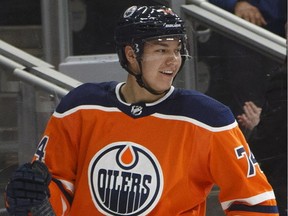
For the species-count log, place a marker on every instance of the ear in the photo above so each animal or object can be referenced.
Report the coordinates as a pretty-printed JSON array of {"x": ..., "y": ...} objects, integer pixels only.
[{"x": 130, "y": 55}]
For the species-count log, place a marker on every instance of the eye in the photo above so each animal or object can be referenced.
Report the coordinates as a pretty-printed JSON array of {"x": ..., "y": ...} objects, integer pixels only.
[
  {"x": 177, "y": 51},
  {"x": 161, "y": 51}
]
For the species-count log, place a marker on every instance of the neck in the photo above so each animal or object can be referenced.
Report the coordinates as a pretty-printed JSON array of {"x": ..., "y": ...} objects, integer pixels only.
[{"x": 133, "y": 93}]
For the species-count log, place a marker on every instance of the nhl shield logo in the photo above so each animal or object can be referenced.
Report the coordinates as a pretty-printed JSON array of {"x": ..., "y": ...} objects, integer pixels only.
[{"x": 125, "y": 179}]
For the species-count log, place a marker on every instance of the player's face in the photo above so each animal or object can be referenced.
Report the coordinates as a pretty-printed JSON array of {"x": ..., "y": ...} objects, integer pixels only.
[{"x": 161, "y": 61}]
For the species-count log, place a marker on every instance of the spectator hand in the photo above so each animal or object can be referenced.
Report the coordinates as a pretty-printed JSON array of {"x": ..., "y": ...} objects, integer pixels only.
[
  {"x": 250, "y": 13},
  {"x": 251, "y": 116}
]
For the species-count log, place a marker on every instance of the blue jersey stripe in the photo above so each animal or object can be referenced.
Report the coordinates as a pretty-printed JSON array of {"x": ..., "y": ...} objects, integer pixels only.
[{"x": 257, "y": 208}]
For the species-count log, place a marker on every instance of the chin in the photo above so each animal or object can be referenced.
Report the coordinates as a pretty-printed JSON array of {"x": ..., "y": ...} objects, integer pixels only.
[{"x": 162, "y": 89}]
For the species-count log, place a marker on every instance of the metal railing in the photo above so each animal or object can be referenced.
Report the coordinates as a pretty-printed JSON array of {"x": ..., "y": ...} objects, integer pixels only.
[
  {"x": 34, "y": 71},
  {"x": 236, "y": 28}
]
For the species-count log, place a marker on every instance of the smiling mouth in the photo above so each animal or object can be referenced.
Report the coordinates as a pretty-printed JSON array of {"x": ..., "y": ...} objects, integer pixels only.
[{"x": 167, "y": 72}]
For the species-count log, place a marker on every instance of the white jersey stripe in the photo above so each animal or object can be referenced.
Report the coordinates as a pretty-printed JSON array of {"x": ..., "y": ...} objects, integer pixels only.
[
  {"x": 198, "y": 123},
  {"x": 250, "y": 200},
  {"x": 157, "y": 115},
  {"x": 85, "y": 107}
]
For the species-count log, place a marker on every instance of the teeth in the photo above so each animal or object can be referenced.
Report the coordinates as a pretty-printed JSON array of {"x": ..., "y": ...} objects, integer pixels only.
[{"x": 167, "y": 72}]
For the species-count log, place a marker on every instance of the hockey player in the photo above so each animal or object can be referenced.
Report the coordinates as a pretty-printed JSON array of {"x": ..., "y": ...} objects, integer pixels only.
[{"x": 142, "y": 147}]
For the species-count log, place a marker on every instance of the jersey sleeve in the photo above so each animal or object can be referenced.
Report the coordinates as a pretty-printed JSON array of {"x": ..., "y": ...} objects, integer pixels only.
[
  {"x": 59, "y": 200},
  {"x": 244, "y": 189},
  {"x": 58, "y": 150}
]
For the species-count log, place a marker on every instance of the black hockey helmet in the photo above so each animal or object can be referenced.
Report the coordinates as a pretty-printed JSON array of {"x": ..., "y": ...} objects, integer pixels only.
[{"x": 141, "y": 23}]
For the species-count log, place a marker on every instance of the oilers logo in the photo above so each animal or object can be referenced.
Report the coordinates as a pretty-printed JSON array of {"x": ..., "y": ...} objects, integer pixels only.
[{"x": 125, "y": 179}]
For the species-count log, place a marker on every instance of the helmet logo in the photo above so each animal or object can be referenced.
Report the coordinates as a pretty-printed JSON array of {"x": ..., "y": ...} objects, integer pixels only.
[
  {"x": 125, "y": 179},
  {"x": 173, "y": 25},
  {"x": 137, "y": 50},
  {"x": 129, "y": 11}
]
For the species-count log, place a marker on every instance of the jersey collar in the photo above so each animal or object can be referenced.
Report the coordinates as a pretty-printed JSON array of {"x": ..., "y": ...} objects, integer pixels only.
[{"x": 117, "y": 92}]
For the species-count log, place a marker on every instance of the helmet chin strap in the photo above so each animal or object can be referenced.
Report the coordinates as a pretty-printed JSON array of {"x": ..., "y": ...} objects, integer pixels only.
[
  {"x": 142, "y": 84},
  {"x": 147, "y": 87}
]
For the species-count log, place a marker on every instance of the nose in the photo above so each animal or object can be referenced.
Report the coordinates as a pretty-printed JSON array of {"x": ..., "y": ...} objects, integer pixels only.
[{"x": 172, "y": 58}]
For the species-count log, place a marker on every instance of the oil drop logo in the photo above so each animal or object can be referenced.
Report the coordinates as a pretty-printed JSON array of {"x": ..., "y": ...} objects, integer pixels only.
[{"x": 125, "y": 178}]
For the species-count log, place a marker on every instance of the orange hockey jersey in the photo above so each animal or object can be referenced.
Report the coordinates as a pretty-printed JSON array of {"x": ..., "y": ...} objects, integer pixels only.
[{"x": 108, "y": 157}]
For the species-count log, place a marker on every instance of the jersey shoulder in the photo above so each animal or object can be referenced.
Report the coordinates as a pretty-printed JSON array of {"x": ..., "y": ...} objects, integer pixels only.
[
  {"x": 87, "y": 94},
  {"x": 198, "y": 106}
]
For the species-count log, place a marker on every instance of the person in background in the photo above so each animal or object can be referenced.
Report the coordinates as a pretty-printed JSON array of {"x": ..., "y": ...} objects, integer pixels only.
[
  {"x": 250, "y": 117},
  {"x": 142, "y": 147},
  {"x": 268, "y": 133},
  {"x": 237, "y": 63},
  {"x": 269, "y": 14}
]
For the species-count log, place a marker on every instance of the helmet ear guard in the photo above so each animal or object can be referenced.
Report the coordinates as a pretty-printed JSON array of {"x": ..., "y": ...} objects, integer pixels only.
[{"x": 137, "y": 48}]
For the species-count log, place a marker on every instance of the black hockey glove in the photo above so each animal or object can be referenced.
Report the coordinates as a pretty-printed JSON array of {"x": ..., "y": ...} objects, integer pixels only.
[{"x": 27, "y": 190}]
